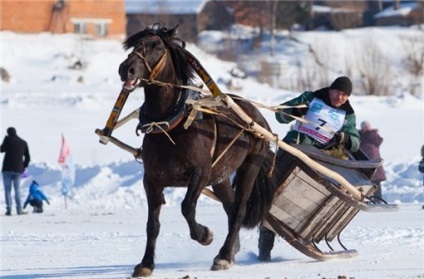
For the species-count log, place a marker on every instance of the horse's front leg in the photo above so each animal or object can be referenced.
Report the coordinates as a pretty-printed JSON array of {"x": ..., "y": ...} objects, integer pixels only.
[
  {"x": 224, "y": 191},
  {"x": 196, "y": 182},
  {"x": 155, "y": 200},
  {"x": 245, "y": 177}
]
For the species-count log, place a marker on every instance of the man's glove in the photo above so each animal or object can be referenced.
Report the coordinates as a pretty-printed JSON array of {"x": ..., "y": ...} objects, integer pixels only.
[
  {"x": 299, "y": 111},
  {"x": 340, "y": 138}
]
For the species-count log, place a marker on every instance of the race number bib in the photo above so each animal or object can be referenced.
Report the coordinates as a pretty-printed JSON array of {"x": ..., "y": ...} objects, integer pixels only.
[{"x": 321, "y": 115}]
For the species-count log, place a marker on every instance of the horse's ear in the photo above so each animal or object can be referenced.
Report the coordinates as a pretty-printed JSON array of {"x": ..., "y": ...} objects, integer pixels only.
[{"x": 173, "y": 31}]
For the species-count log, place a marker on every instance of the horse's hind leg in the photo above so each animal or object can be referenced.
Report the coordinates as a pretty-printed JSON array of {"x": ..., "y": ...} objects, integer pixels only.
[
  {"x": 196, "y": 183},
  {"x": 155, "y": 200},
  {"x": 224, "y": 191}
]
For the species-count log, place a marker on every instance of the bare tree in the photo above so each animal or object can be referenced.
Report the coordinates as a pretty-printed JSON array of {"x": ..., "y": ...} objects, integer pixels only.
[
  {"x": 414, "y": 61},
  {"x": 306, "y": 78},
  {"x": 375, "y": 73}
]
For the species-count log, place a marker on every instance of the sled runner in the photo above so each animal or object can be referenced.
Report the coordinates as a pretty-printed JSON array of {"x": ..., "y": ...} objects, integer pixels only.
[{"x": 309, "y": 207}]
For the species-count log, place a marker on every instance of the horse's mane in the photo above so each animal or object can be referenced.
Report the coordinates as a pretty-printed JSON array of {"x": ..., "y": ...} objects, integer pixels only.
[{"x": 175, "y": 45}]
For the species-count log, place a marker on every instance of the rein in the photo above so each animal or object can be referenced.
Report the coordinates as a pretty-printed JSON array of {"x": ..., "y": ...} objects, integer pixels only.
[{"x": 160, "y": 65}]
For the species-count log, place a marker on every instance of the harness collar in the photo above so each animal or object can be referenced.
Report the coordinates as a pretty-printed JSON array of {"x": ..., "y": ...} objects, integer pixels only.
[{"x": 146, "y": 125}]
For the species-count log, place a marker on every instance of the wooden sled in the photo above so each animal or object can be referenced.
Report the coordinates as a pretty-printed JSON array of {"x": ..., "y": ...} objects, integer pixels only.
[{"x": 309, "y": 207}]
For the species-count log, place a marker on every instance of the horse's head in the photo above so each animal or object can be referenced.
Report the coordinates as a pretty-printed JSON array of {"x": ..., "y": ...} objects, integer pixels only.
[{"x": 155, "y": 56}]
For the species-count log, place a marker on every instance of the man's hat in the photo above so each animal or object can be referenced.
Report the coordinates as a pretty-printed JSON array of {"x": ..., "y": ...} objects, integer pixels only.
[{"x": 343, "y": 84}]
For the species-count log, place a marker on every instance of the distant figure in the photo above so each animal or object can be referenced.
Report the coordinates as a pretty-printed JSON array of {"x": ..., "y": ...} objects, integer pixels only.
[
  {"x": 421, "y": 164},
  {"x": 370, "y": 145},
  {"x": 35, "y": 198},
  {"x": 16, "y": 159},
  {"x": 4, "y": 74}
]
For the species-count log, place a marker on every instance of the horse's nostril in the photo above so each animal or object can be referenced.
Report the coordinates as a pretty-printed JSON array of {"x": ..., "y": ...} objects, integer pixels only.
[{"x": 131, "y": 71}]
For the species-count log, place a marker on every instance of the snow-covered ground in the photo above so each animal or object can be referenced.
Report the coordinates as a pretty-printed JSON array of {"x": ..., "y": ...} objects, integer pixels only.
[
  {"x": 102, "y": 232},
  {"x": 108, "y": 244}
]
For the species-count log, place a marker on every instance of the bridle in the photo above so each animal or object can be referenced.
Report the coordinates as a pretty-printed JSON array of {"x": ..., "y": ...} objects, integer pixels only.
[
  {"x": 158, "y": 68},
  {"x": 179, "y": 112}
]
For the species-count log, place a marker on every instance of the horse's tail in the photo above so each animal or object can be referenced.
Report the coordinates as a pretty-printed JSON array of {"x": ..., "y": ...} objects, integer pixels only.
[{"x": 262, "y": 194}]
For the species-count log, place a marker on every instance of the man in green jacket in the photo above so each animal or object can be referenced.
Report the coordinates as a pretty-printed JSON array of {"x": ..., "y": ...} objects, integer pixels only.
[{"x": 329, "y": 121}]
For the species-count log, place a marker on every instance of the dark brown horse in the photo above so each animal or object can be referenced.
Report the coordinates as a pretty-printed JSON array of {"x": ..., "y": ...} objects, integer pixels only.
[{"x": 179, "y": 157}]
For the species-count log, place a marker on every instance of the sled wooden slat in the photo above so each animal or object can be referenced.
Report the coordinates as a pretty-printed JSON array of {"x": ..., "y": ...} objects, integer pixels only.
[
  {"x": 304, "y": 194},
  {"x": 309, "y": 207},
  {"x": 341, "y": 222},
  {"x": 339, "y": 216},
  {"x": 319, "y": 220}
]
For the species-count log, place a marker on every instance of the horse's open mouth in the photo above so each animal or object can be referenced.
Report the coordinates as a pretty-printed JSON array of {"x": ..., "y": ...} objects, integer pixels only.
[{"x": 131, "y": 84}]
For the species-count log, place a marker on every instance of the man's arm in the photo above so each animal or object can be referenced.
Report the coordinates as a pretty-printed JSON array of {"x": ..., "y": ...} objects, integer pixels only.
[
  {"x": 304, "y": 98},
  {"x": 350, "y": 130},
  {"x": 27, "y": 158},
  {"x": 3, "y": 146}
]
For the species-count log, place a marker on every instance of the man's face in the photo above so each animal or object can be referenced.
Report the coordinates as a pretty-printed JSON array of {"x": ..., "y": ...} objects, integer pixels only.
[{"x": 338, "y": 98}]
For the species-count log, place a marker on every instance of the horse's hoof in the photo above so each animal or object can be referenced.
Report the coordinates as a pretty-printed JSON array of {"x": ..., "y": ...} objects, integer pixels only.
[
  {"x": 209, "y": 238},
  {"x": 142, "y": 271},
  {"x": 219, "y": 264}
]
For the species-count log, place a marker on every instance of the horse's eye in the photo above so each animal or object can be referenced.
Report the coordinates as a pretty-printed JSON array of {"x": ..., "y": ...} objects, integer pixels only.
[{"x": 157, "y": 46}]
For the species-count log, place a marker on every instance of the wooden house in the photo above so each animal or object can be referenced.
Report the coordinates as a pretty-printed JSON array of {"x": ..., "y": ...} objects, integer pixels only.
[
  {"x": 405, "y": 13},
  {"x": 193, "y": 16},
  {"x": 96, "y": 18}
]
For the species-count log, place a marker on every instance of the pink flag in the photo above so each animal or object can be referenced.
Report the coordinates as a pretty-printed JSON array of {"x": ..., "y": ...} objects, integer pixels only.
[
  {"x": 64, "y": 151},
  {"x": 68, "y": 169}
]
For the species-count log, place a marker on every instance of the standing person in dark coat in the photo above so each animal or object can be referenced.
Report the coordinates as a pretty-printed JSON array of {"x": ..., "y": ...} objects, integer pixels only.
[
  {"x": 16, "y": 159},
  {"x": 370, "y": 145}
]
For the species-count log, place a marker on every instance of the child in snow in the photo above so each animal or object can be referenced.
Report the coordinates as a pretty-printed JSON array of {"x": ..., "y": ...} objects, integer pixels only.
[{"x": 35, "y": 198}]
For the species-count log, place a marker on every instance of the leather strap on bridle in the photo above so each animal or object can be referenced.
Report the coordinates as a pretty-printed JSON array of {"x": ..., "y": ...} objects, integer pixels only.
[{"x": 157, "y": 68}]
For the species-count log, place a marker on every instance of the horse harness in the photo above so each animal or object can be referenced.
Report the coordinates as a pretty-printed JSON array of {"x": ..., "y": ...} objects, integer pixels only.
[
  {"x": 187, "y": 107},
  {"x": 165, "y": 125}
]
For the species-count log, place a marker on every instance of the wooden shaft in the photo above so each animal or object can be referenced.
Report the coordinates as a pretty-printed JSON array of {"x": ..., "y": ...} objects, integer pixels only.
[
  {"x": 210, "y": 194},
  {"x": 210, "y": 83},
  {"x": 134, "y": 151},
  {"x": 114, "y": 115}
]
